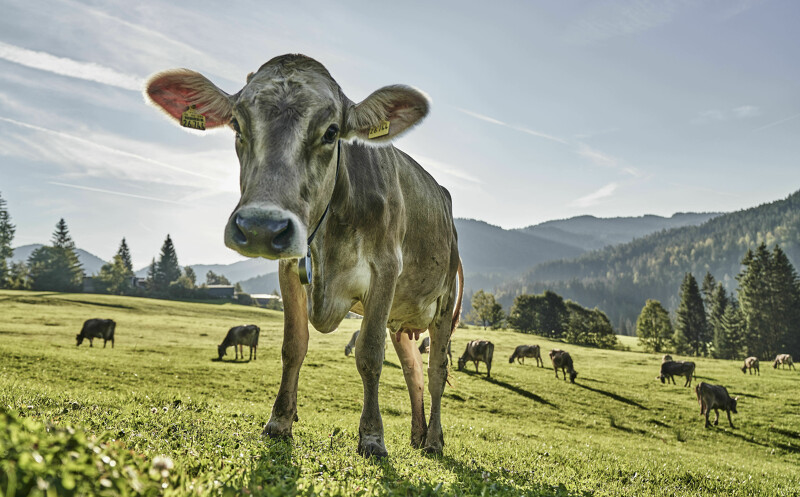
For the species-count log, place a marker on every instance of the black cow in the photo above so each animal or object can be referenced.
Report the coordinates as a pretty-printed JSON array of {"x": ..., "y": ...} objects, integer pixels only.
[
  {"x": 97, "y": 328},
  {"x": 677, "y": 368}
]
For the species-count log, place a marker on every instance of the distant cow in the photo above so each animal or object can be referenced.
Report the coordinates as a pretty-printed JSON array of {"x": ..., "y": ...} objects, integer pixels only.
[
  {"x": 523, "y": 351},
  {"x": 783, "y": 359},
  {"x": 238, "y": 337},
  {"x": 751, "y": 363},
  {"x": 476, "y": 351},
  {"x": 348, "y": 349},
  {"x": 562, "y": 360},
  {"x": 666, "y": 358},
  {"x": 677, "y": 368},
  {"x": 97, "y": 328},
  {"x": 715, "y": 397},
  {"x": 425, "y": 348}
]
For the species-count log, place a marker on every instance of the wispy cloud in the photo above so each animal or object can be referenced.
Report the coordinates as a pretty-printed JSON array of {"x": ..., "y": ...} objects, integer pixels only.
[
  {"x": 746, "y": 111},
  {"x": 596, "y": 196},
  {"x": 521, "y": 129},
  {"x": 63, "y": 66},
  {"x": 602, "y": 159},
  {"x": 776, "y": 123},
  {"x": 439, "y": 168},
  {"x": 605, "y": 20},
  {"x": 121, "y": 194},
  {"x": 717, "y": 115}
]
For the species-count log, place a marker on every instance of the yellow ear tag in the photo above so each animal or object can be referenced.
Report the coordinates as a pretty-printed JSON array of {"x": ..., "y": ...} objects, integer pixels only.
[
  {"x": 193, "y": 119},
  {"x": 379, "y": 130}
]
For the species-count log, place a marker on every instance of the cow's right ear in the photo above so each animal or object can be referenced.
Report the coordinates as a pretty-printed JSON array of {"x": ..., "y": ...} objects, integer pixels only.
[{"x": 177, "y": 90}]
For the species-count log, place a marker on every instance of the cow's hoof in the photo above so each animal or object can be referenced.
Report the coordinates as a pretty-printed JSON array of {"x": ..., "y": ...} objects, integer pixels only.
[
  {"x": 273, "y": 430},
  {"x": 418, "y": 441},
  {"x": 434, "y": 450},
  {"x": 372, "y": 449}
]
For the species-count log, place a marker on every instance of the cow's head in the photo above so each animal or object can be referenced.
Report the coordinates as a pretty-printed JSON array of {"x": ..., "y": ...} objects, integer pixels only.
[
  {"x": 733, "y": 405},
  {"x": 288, "y": 120},
  {"x": 79, "y": 339},
  {"x": 221, "y": 351},
  {"x": 661, "y": 377},
  {"x": 462, "y": 361},
  {"x": 572, "y": 375},
  {"x": 347, "y": 350},
  {"x": 744, "y": 369}
]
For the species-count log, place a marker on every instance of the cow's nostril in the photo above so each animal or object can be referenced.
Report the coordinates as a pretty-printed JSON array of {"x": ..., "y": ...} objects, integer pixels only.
[
  {"x": 283, "y": 234},
  {"x": 239, "y": 229}
]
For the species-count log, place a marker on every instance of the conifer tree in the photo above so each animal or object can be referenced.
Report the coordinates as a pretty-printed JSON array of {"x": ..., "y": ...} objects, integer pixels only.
[
  {"x": 167, "y": 268},
  {"x": 6, "y": 238},
  {"x": 728, "y": 341},
  {"x": 691, "y": 316},
  {"x": 707, "y": 289},
  {"x": 718, "y": 304},
  {"x": 125, "y": 254},
  {"x": 56, "y": 268},
  {"x": 61, "y": 237}
]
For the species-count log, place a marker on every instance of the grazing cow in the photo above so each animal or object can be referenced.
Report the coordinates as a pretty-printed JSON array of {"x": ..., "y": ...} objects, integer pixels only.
[
  {"x": 523, "y": 351},
  {"x": 751, "y": 363},
  {"x": 783, "y": 359},
  {"x": 322, "y": 188},
  {"x": 97, "y": 328},
  {"x": 351, "y": 344},
  {"x": 715, "y": 397},
  {"x": 476, "y": 351},
  {"x": 425, "y": 348},
  {"x": 561, "y": 359},
  {"x": 239, "y": 336},
  {"x": 666, "y": 358},
  {"x": 677, "y": 368}
]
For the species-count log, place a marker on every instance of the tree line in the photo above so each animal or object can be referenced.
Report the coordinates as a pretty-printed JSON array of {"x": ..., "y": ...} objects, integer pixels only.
[
  {"x": 759, "y": 319},
  {"x": 56, "y": 267},
  {"x": 548, "y": 315}
]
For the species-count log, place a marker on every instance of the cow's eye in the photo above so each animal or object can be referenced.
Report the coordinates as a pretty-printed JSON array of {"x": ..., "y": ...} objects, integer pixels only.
[
  {"x": 235, "y": 126},
  {"x": 330, "y": 134}
]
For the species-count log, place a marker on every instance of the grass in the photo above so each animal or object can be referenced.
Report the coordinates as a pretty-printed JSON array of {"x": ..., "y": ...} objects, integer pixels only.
[{"x": 69, "y": 412}]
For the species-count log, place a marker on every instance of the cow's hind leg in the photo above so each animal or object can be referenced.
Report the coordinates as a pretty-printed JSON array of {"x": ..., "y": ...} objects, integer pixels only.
[
  {"x": 411, "y": 360},
  {"x": 437, "y": 369},
  {"x": 293, "y": 351}
]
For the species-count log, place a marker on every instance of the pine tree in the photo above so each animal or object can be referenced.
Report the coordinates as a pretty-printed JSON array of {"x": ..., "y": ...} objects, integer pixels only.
[
  {"x": 691, "y": 316},
  {"x": 56, "y": 268},
  {"x": 167, "y": 268},
  {"x": 785, "y": 302},
  {"x": 125, "y": 254},
  {"x": 6, "y": 238},
  {"x": 707, "y": 289},
  {"x": 653, "y": 327},
  {"x": 718, "y": 303},
  {"x": 151, "y": 275}
]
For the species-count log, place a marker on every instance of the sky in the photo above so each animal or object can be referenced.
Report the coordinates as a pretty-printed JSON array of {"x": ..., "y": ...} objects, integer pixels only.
[{"x": 541, "y": 110}]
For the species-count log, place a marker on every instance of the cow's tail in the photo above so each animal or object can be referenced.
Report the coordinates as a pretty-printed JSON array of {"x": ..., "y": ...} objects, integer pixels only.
[{"x": 457, "y": 310}]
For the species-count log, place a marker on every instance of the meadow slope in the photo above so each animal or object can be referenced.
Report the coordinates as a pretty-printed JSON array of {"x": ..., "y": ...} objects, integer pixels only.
[{"x": 617, "y": 431}]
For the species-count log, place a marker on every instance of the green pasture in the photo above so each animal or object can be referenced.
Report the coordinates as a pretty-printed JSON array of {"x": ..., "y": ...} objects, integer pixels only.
[{"x": 81, "y": 420}]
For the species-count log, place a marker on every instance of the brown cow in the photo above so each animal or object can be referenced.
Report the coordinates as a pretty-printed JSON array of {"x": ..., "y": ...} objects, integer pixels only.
[
  {"x": 562, "y": 360},
  {"x": 783, "y": 359},
  {"x": 476, "y": 351},
  {"x": 321, "y": 185},
  {"x": 238, "y": 337},
  {"x": 751, "y": 363},
  {"x": 715, "y": 397},
  {"x": 523, "y": 351}
]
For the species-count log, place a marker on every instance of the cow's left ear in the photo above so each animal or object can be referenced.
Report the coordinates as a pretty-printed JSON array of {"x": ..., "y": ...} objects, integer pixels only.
[{"x": 385, "y": 114}]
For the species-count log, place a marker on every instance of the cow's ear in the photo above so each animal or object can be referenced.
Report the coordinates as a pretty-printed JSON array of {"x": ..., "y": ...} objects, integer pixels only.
[
  {"x": 177, "y": 90},
  {"x": 385, "y": 114}
]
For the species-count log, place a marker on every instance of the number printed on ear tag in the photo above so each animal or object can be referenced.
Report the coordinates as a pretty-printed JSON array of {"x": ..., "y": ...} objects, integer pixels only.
[
  {"x": 379, "y": 130},
  {"x": 193, "y": 119}
]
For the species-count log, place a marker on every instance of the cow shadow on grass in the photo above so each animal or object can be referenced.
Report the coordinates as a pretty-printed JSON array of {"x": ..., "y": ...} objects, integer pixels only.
[
  {"x": 614, "y": 396},
  {"x": 513, "y": 388},
  {"x": 231, "y": 361},
  {"x": 778, "y": 445}
]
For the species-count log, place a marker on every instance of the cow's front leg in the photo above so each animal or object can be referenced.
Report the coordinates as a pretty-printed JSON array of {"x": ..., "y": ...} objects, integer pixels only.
[
  {"x": 728, "y": 412},
  {"x": 295, "y": 346},
  {"x": 716, "y": 416},
  {"x": 411, "y": 360},
  {"x": 369, "y": 361}
]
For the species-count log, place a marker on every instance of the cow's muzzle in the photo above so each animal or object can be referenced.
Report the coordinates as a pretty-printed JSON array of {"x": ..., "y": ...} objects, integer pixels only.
[{"x": 263, "y": 232}]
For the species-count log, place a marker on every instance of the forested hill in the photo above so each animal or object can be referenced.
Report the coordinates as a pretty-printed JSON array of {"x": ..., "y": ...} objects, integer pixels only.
[{"x": 619, "y": 279}]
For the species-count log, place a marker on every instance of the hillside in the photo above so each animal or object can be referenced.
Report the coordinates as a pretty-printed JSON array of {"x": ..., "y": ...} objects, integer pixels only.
[
  {"x": 592, "y": 233},
  {"x": 616, "y": 431},
  {"x": 90, "y": 262},
  {"x": 621, "y": 278}
]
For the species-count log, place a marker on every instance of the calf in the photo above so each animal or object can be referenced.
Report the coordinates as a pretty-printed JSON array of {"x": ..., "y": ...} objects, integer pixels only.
[
  {"x": 348, "y": 349},
  {"x": 783, "y": 359},
  {"x": 677, "y": 368},
  {"x": 715, "y": 397},
  {"x": 241, "y": 336},
  {"x": 666, "y": 358},
  {"x": 97, "y": 328},
  {"x": 425, "y": 348},
  {"x": 751, "y": 363},
  {"x": 523, "y": 351},
  {"x": 476, "y": 351},
  {"x": 561, "y": 359}
]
